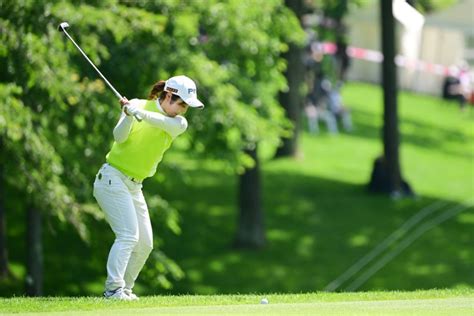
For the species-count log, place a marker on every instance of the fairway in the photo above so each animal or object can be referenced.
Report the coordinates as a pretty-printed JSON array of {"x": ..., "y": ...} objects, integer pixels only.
[
  {"x": 450, "y": 306},
  {"x": 432, "y": 302}
]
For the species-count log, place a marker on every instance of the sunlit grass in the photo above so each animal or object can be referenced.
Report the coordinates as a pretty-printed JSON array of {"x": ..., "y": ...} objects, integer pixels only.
[
  {"x": 319, "y": 217},
  {"x": 403, "y": 303}
]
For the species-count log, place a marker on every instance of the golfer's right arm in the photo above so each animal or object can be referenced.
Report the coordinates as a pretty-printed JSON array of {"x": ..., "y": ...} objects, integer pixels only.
[{"x": 174, "y": 126}]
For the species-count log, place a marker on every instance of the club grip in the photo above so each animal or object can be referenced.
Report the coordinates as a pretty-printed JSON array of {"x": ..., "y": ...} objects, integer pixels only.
[{"x": 138, "y": 118}]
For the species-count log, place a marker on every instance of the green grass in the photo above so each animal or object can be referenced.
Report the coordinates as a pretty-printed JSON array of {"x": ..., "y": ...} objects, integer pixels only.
[
  {"x": 319, "y": 217},
  {"x": 434, "y": 302}
]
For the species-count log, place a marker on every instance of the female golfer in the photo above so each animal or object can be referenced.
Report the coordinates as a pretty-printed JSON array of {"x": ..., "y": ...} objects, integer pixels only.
[{"x": 134, "y": 156}]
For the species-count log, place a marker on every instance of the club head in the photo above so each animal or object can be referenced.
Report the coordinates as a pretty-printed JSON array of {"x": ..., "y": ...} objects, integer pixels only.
[{"x": 63, "y": 26}]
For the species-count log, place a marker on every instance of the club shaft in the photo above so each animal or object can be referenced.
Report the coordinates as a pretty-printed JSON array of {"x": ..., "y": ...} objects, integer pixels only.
[
  {"x": 92, "y": 64},
  {"x": 98, "y": 71}
]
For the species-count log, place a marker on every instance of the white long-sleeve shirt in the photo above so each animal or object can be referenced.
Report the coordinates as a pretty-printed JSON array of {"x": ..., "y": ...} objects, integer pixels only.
[{"x": 174, "y": 126}]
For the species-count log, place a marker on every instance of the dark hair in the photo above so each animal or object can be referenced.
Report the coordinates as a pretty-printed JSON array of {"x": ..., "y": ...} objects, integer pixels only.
[
  {"x": 156, "y": 90},
  {"x": 175, "y": 97}
]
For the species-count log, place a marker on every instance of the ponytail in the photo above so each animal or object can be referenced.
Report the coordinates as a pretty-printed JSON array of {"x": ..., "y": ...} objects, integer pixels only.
[{"x": 156, "y": 90}]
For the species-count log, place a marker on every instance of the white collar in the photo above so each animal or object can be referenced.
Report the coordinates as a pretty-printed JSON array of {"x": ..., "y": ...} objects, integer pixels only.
[{"x": 158, "y": 106}]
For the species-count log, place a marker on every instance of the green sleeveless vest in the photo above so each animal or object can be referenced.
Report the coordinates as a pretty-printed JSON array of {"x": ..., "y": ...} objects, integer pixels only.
[{"x": 140, "y": 154}]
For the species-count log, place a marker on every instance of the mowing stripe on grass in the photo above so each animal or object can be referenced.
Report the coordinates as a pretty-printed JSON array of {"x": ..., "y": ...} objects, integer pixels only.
[
  {"x": 407, "y": 241},
  {"x": 398, "y": 233}
]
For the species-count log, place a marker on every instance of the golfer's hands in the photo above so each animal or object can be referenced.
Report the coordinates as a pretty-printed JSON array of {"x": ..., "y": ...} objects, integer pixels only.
[
  {"x": 130, "y": 109},
  {"x": 127, "y": 107},
  {"x": 123, "y": 101}
]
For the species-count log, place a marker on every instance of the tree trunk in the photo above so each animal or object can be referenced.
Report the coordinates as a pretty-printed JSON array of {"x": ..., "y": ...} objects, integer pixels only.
[
  {"x": 292, "y": 100},
  {"x": 4, "y": 271},
  {"x": 386, "y": 176},
  {"x": 251, "y": 231},
  {"x": 34, "y": 246},
  {"x": 390, "y": 128}
]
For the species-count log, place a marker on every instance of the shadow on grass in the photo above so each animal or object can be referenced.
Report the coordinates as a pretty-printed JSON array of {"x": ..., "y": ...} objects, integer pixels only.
[{"x": 316, "y": 229}]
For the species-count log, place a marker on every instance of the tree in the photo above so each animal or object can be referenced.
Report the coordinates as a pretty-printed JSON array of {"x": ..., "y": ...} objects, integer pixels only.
[
  {"x": 57, "y": 116},
  {"x": 244, "y": 59},
  {"x": 251, "y": 229},
  {"x": 42, "y": 126},
  {"x": 386, "y": 175},
  {"x": 34, "y": 246},
  {"x": 4, "y": 270},
  {"x": 292, "y": 98}
]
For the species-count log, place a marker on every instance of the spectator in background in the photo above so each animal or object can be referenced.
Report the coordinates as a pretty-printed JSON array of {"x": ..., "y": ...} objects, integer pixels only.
[
  {"x": 459, "y": 87},
  {"x": 342, "y": 59},
  {"x": 313, "y": 61},
  {"x": 450, "y": 88},
  {"x": 465, "y": 84},
  {"x": 324, "y": 101},
  {"x": 335, "y": 105},
  {"x": 314, "y": 55},
  {"x": 325, "y": 75},
  {"x": 332, "y": 88}
]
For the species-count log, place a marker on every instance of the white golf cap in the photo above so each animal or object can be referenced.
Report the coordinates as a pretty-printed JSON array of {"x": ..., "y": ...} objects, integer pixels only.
[{"x": 185, "y": 88}]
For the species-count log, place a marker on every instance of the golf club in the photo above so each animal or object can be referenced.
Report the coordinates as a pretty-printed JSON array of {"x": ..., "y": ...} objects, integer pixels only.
[{"x": 62, "y": 28}]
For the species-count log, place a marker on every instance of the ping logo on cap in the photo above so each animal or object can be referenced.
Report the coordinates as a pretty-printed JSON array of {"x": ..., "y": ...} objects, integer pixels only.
[{"x": 191, "y": 91}]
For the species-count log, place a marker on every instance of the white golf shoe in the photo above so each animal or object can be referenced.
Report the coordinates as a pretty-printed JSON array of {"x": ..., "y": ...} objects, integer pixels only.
[
  {"x": 117, "y": 294},
  {"x": 130, "y": 294}
]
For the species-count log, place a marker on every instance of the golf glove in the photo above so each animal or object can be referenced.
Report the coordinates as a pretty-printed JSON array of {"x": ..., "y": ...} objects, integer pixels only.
[{"x": 130, "y": 109}]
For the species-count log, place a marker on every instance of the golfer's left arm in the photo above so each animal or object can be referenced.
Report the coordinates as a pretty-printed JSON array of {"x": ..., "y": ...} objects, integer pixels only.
[{"x": 172, "y": 125}]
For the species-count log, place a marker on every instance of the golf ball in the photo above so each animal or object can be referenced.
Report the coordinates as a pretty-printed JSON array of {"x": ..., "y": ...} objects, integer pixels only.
[{"x": 264, "y": 301}]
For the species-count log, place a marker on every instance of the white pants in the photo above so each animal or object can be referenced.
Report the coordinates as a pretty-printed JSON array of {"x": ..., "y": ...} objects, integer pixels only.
[{"x": 126, "y": 211}]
